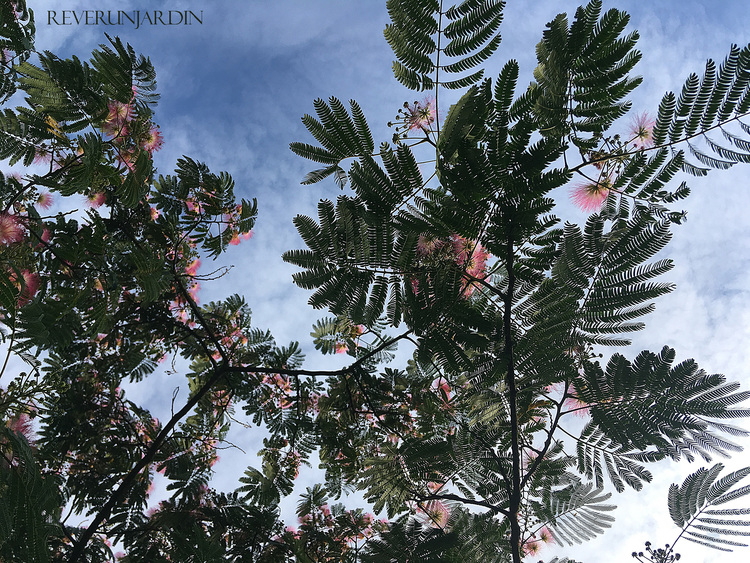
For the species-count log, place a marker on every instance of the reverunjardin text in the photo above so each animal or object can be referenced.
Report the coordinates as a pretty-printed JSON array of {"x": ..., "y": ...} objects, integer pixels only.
[{"x": 136, "y": 18}]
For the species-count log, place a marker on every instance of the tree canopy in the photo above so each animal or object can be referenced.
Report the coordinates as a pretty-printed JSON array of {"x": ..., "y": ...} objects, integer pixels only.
[{"x": 516, "y": 418}]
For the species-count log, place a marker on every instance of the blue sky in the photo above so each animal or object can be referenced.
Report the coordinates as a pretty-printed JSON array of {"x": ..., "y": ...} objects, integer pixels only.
[{"x": 234, "y": 88}]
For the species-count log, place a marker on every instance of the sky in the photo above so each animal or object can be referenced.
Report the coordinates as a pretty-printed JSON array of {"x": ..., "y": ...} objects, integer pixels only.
[{"x": 234, "y": 87}]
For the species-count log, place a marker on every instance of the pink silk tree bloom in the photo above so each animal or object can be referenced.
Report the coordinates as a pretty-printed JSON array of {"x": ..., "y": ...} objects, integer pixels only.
[
  {"x": 434, "y": 487},
  {"x": 437, "y": 513},
  {"x": 574, "y": 404},
  {"x": 442, "y": 388},
  {"x": 115, "y": 130},
  {"x": 415, "y": 285},
  {"x": 545, "y": 536},
  {"x": 642, "y": 131},
  {"x": 31, "y": 282},
  {"x": 22, "y": 425},
  {"x": 11, "y": 229},
  {"x": 427, "y": 246},
  {"x": 341, "y": 347},
  {"x": 96, "y": 199},
  {"x": 119, "y": 113},
  {"x": 591, "y": 196},
  {"x": 193, "y": 291},
  {"x": 531, "y": 548},
  {"x": 421, "y": 114},
  {"x": 192, "y": 269},
  {"x": 193, "y": 206},
  {"x": 471, "y": 256},
  {"x": 153, "y": 140},
  {"x": 43, "y": 156},
  {"x": 44, "y": 200}
]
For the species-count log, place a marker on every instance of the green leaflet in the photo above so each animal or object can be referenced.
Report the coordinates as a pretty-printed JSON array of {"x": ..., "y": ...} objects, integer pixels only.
[
  {"x": 691, "y": 507},
  {"x": 582, "y": 75},
  {"x": 468, "y": 37}
]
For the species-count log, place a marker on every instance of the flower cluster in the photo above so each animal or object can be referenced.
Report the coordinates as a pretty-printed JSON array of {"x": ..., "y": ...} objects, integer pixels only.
[
  {"x": 349, "y": 336},
  {"x": 590, "y": 196},
  {"x": 130, "y": 133},
  {"x": 466, "y": 254},
  {"x": 13, "y": 232},
  {"x": 418, "y": 116},
  {"x": 435, "y": 513},
  {"x": 572, "y": 403},
  {"x": 27, "y": 286},
  {"x": 11, "y": 229},
  {"x": 642, "y": 131},
  {"x": 609, "y": 159},
  {"x": 535, "y": 543},
  {"x": 345, "y": 528},
  {"x": 279, "y": 391}
]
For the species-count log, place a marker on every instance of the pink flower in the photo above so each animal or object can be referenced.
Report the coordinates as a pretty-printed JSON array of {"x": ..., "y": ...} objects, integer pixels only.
[
  {"x": 531, "y": 548},
  {"x": 115, "y": 129},
  {"x": 153, "y": 140},
  {"x": 545, "y": 536},
  {"x": 443, "y": 389},
  {"x": 437, "y": 513},
  {"x": 154, "y": 212},
  {"x": 434, "y": 487},
  {"x": 421, "y": 115},
  {"x": 415, "y": 285},
  {"x": 574, "y": 404},
  {"x": 10, "y": 229},
  {"x": 96, "y": 199},
  {"x": 44, "y": 200},
  {"x": 341, "y": 347},
  {"x": 239, "y": 237},
  {"x": 472, "y": 257},
  {"x": 529, "y": 457},
  {"x": 427, "y": 246},
  {"x": 22, "y": 425},
  {"x": 642, "y": 131},
  {"x": 119, "y": 114},
  {"x": 194, "y": 291},
  {"x": 42, "y": 156},
  {"x": 193, "y": 206},
  {"x": 192, "y": 269},
  {"x": 591, "y": 196},
  {"x": 31, "y": 282}
]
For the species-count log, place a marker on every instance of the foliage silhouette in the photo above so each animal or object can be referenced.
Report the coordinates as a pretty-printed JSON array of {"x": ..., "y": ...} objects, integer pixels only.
[{"x": 508, "y": 312}]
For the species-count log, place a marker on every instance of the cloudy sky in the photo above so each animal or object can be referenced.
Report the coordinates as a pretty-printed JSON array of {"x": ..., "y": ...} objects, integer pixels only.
[{"x": 235, "y": 86}]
